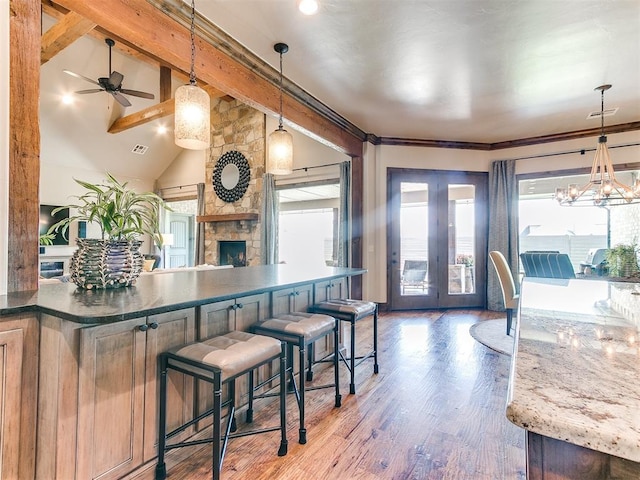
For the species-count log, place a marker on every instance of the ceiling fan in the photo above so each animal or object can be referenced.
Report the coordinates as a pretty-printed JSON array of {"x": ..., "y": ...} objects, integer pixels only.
[{"x": 111, "y": 84}]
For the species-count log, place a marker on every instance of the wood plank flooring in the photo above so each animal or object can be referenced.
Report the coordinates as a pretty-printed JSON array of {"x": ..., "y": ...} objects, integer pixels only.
[{"x": 435, "y": 411}]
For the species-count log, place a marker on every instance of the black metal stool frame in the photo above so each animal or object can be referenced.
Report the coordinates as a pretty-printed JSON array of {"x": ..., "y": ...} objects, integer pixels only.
[
  {"x": 218, "y": 440},
  {"x": 350, "y": 362},
  {"x": 293, "y": 340}
]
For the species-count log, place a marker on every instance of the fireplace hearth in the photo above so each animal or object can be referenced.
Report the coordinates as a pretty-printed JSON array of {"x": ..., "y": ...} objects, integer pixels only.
[{"x": 233, "y": 253}]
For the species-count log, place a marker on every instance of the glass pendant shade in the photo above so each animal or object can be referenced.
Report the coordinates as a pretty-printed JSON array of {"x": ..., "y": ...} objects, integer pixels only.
[
  {"x": 280, "y": 154},
  {"x": 192, "y": 117}
]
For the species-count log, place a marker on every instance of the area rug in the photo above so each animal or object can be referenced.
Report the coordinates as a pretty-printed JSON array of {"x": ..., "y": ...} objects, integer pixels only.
[{"x": 492, "y": 334}]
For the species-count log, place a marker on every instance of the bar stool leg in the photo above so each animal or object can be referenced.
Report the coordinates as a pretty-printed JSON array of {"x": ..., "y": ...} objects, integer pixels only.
[
  {"x": 282, "y": 451},
  {"x": 352, "y": 385},
  {"x": 310, "y": 360},
  {"x": 375, "y": 341},
  {"x": 161, "y": 468},
  {"x": 217, "y": 421},
  {"x": 336, "y": 362},
  {"x": 249, "y": 416},
  {"x": 303, "y": 431}
]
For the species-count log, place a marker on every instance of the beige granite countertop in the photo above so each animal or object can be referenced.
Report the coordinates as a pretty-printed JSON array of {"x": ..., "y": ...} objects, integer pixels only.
[{"x": 575, "y": 373}]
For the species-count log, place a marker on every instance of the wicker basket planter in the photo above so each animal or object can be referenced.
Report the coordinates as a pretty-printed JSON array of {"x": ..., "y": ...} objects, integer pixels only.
[{"x": 106, "y": 263}]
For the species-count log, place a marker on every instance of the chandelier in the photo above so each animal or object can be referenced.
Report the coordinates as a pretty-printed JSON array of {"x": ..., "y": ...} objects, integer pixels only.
[{"x": 603, "y": 186}]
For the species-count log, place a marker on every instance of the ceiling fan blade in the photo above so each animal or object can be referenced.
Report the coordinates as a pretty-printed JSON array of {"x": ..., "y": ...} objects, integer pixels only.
[
  {"x": 91, "y": 90},
  {"x": 115, "y": 79},
  {"x": 137, "y": 93},
  {"x": 77, "y": 75},
  {"x": 121, "y": 99}
]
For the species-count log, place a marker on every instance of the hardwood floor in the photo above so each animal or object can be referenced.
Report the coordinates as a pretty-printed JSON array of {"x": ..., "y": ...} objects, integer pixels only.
[{"x": 435, "y": 411}]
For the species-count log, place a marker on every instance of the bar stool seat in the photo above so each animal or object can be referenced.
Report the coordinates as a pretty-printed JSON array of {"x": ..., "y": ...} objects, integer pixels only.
[
  {"x": 352, "y": 311},
  {"x": 302, "y": 329},
  {"x": 220, "y": 360}
]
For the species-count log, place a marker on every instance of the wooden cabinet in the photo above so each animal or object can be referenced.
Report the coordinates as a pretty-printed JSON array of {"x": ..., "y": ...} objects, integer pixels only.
[
  {"x": 220, "y": 318},
  {"x": 106, "y": 375},
  {"x": 289, "y": 300},
  {"x": 331, "y": 289},
  {"x": 18, "y": 385}
]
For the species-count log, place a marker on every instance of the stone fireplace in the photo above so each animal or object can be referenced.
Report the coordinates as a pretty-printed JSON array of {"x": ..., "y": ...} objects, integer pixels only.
[{"x": 235, "y": 126}]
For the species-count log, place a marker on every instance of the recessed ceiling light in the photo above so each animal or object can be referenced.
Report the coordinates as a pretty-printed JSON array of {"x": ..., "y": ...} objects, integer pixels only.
[
  {"x": 308, "y": 7},
  {"x": 161, "y": 130},
  {"x": 67, "y": 98}
]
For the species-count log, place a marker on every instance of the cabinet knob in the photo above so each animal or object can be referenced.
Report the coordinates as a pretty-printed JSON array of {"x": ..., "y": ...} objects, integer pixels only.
[
  {"x": 297, "y": 293},
  {"x": 240, "y": 305},
  {"x": 144, "y": 327},
  {"x": 153, "y": 325}
]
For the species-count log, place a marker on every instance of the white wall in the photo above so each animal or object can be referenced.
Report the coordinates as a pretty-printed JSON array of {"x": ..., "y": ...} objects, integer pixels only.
[
  {"x": 4, "y": 141},
  {"x": 188, "y": 168},
  {"x": 379, "y": 158},
  {"x": 308, "y": 152}
]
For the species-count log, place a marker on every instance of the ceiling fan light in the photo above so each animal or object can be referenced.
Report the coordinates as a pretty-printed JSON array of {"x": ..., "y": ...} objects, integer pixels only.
[
  {"x": 191, "y": 119},
  {"x": 280, "y": 154}
]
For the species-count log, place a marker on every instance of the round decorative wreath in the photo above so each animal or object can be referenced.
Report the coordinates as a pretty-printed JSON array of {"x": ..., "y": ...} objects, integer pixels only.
[{"x": 244, "y": 175}]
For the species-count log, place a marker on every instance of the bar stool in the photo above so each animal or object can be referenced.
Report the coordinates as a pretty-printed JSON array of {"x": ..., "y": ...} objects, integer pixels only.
[
  {"x": 301, "y": 329},
  {"x": 220, "y": 360},
  {"x": 352, "y": 311}
]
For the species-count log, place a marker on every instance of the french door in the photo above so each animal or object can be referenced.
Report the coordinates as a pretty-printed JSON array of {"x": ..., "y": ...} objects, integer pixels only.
[{"x": 437, "y": 238}]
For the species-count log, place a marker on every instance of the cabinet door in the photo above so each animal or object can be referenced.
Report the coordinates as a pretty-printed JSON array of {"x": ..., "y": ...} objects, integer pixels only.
[
  {"x": 216, "y": 319},
  {"x": 165, "y": 331},
  {"x": 110, "y": 400},
  {"x": 250, "y": 310},
  {"x": 290, "y": 300},
  {"x": 18, "y": 374},
  {"x": 331, "y": 289}
]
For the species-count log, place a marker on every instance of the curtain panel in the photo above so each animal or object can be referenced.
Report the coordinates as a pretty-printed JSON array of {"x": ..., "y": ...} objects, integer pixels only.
[
  {"x": 503, "y": 225},
  {"x": 269, "y": 221},
  {"x": 199, "y": 242},
  {"x": 344, "y": 234}
]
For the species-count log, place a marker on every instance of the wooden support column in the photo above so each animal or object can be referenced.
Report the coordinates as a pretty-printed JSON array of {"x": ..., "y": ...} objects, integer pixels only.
[{"x": 24, "y": 145}]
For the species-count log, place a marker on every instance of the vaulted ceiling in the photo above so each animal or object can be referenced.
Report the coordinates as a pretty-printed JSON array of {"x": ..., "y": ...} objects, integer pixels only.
[{"x": 479, "y": 72}]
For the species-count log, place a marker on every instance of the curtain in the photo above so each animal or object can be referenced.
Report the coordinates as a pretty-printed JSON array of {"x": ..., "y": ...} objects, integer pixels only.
[
  {"x": 199, "y": 247},
  {"x": 344, "y": 211},
  {"x": 503, "y": 225},
  {"x": 269, "y": 220}
]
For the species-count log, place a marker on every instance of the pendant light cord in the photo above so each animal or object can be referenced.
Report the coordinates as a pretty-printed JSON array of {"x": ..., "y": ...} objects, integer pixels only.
[
  {"x": 280, "y": 122},
  {"x": 192, "y": 73}
]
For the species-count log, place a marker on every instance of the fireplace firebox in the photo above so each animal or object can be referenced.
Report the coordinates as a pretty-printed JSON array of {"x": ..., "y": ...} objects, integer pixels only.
[{"x": 233, "y": 253}]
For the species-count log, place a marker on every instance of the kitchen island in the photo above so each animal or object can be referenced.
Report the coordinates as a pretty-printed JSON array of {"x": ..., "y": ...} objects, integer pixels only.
[
  {"x": 83, "y": 364},
  {"x": 574, "y": 383}
]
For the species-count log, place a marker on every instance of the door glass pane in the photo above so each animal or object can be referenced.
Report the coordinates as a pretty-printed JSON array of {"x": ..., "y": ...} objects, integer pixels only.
[
  {"x": 414, "y": 235},
  {"x": 461, "y": 239}
]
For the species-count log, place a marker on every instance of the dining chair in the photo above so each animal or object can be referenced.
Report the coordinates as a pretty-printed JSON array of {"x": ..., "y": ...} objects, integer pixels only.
[
  {"x": 547, "y": 264},
  {"x": 507, "y": 285}
]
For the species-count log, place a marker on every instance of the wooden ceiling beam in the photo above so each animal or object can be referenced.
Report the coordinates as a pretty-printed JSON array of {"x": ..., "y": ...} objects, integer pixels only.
[
  {"x": 141, "y": 117},
  {"x": 59, "y": 13},
  {"x": 150, "y": 30},
  {"x": 70, "y": 28}
]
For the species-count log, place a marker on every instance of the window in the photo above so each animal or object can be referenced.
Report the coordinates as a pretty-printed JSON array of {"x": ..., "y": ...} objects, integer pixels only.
[
  {"x": 308, "y": 224},
  {"x": 545, "y": 225}
]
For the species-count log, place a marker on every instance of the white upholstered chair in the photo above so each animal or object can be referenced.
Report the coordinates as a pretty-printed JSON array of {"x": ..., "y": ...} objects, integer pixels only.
[{"x": 508, "y": 286}]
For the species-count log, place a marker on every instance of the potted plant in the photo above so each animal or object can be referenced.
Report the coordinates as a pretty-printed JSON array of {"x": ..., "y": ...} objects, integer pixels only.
[
  {"x": 123, "y": 215},
  {"x": 622, "y": 260}
]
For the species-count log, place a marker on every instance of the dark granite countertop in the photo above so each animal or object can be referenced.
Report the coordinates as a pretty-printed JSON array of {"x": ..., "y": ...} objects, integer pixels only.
[{"x": 163, "y": 292}]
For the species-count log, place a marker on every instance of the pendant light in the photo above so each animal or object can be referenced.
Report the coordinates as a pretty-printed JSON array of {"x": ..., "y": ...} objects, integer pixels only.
[
  {"x": 280, "y": 154},
  {"x": 605, "y": 188},
  {"x": 192, "y": 106}
]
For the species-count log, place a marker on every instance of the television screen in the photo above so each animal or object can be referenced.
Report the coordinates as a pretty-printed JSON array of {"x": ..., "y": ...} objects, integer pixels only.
[{"x": 47, "y": 219}]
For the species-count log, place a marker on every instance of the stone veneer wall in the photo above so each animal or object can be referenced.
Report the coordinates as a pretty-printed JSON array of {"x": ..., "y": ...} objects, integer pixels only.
[{"x": 235, "y": 126}]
